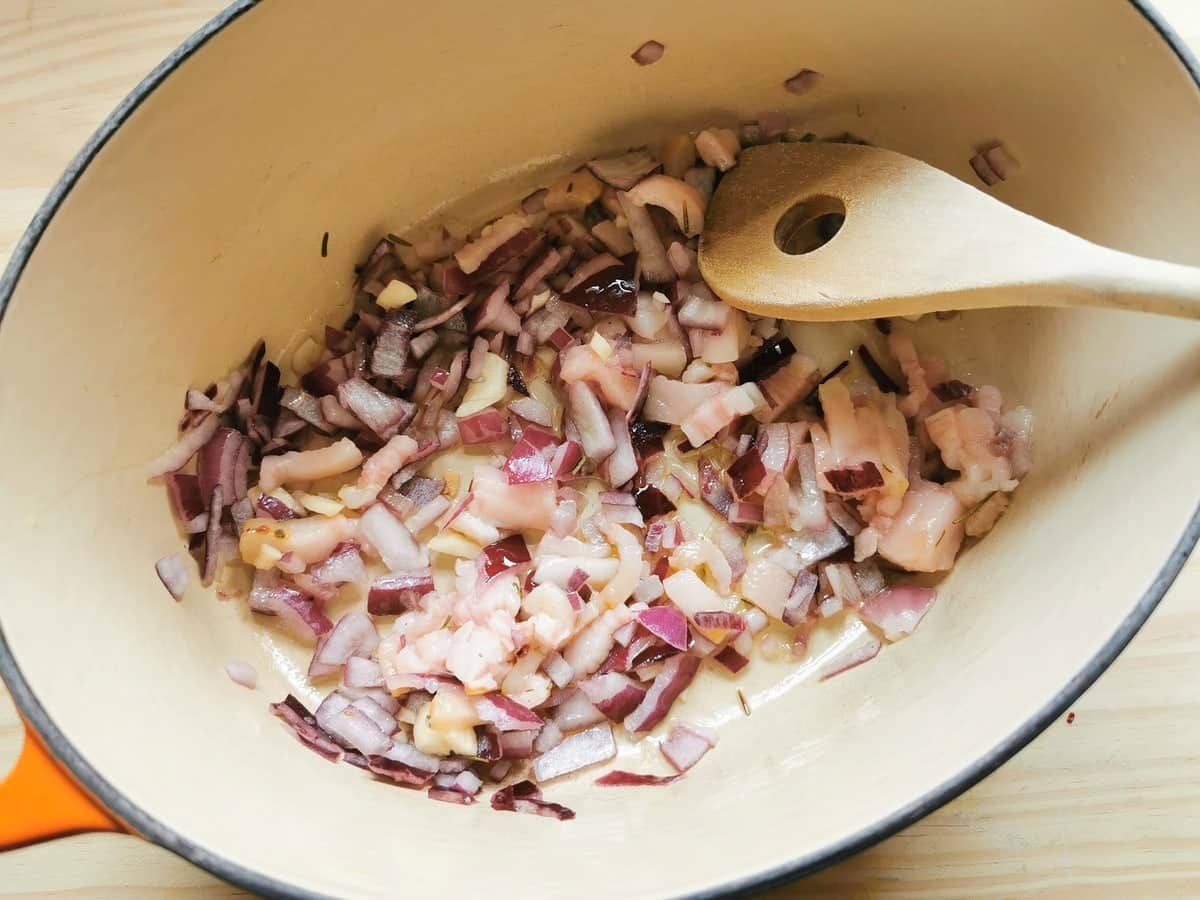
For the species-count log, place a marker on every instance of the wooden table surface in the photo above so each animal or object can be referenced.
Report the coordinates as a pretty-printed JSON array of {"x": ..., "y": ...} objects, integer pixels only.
[{"x": 1106, "y": 806}]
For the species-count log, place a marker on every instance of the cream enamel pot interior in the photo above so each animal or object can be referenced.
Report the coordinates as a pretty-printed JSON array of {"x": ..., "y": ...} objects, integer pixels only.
[{"x": 192, "y": 226}]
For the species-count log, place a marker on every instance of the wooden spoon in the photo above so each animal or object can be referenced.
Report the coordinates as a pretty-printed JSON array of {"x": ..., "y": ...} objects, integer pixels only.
[{"x": 913, "y": 240}]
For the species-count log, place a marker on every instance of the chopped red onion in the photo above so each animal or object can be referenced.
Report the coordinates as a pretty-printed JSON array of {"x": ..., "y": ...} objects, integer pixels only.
[
  {"x": 496, "y": 314},
  {"x": 623, "y": 172},
  {"x": 187, "y": 447},
  {"x": 595, "y": 432},
  {"x": 361, "y": 672},
  {"x": 897, "y": 610},
  {"x": 354, "y": 635},
  {"x": 532, "y": 410},
  {"x": 650, "y": 52},
  {"x": 304, "y": 726},
  {"x": 483, "y": 428},
  {"x": 576, "y": 712},
  {"x": 676, "y": 675},
  {"x": 686, "y": 745},
  {"x": 212, "y": 537},
  {"x": 702, "y": 312},
  {"x": 731, "y": 659},
  {"x": 803, "y": 81},
  {"x": 854, "y": 480},
  {"x": 506, "y": 714},
  {"x": 614, "y": 694},
  {"x": 667, "y": 624},
  {"x": 526, "y": 797},
  {"x": 653, "y": 264},
  {"x": 864, "y": 647},
  {"x": 308, "y": 408},
  {"x": 587, "y": 748},
  {"x": 385, "y": 721},
  {"x": 558, "y": 670},
  {"x": 183, "y": 491},
  {"x": 398, "y": 592},
  {"x": 712, "y": 489},
  {"x": 503, "y": 555},
  {"x": 381, "y": 413},
  {"x": 516, "y": 744},
  {"x": 621, "y": 465},
  {"x": 173, "y": 574},
  {"x": 621, "y": 778},
  {"x": 683, "y": 261},
  {"x": 1001, "y": 161},
  {"x": 392, "y": 541},
  {"x": 548, "y": 738},
  {"x": 719, "y": 620},
  {"x": 351, "y": 726}
]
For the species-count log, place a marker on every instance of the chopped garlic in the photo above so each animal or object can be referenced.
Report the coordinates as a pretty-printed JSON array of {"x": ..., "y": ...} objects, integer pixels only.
[
  {"x": 267, "y": 556},
  {"x": 539, "y": 300},
  {"x": 450, "y": 709},
  {"x": 322, "y": 506},
  {"x": 489, "y": 388},
  {"x": 452, "y": 544},
  {"x": 397, "y": 293},
  {"x": 287, "y": 500},
  {"x": 438, "y": 742},
  {"x": 306, "y": 356},
  {"x": 602, "y": 347}
]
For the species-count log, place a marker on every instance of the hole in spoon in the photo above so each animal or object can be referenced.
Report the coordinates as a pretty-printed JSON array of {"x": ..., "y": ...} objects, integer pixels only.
[{"x": 809, "y": 225}]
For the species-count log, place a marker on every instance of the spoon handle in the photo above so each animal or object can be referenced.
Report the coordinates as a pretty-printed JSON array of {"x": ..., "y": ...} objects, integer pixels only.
[{"x": 1136, "y": 283}]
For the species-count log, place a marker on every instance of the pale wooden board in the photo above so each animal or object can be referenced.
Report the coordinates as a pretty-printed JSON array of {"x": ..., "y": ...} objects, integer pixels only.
[{"x": 1108, "y": 806}]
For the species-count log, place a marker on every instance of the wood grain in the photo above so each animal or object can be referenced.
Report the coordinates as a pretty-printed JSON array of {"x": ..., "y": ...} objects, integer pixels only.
[{"x": 1108, "y": 806}]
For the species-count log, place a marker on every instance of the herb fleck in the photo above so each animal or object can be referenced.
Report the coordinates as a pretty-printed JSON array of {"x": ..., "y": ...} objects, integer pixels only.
[
  {"x": 974, "y": 509},
  {"x": 325, "y": 245},
  {"x": 745, "y": 703}
]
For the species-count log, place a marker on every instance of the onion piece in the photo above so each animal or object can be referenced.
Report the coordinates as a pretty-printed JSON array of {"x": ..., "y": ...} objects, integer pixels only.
[
  {"x": 623, "y": 172},
  {"x": 621, "y": 778},
  {"x": 803, "y": 81},
  {"x": 718, "y": 147},
  {"x": 187, "y": 447},
  {"x": 351, "y": 726},
  {"x": 362, "y": 673},
  {"x": 587, "y": 748},
  {"x": 526, "y": 797},
  {"x": 484, "y": 427},
  {"x": 595, "y": 432},
  {"x": 686, "y": 744},
  {"x": 173, "y": 574},
  {"x": 667, "y": 624},
  {"x": 674, "y": 678},
  {"x": 241, "y": 673},
  {"x": 614, "y": 694},
  {"x": 653, "y": 264},
  {"x": 354, "y": 635},
  {"x": 399, "y": 592},
  {"x": 304, "y": 726},
  {"x": 648, "y": 53},
  {"x": 680, "y": 199},
  {"x": 604, "y": 284},
  {"x": 391, "y": 540},
  {"x": 383, "y": 414},
  {"x": 473, "y": 255},
  {"x": 506, "y": 714},
  {"x": 504, "y": 555},
  {"x": 897, "y": 610}
]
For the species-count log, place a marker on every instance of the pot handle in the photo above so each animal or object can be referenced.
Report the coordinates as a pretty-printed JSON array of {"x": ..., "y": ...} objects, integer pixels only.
[{"x": 39, "y": 800}]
